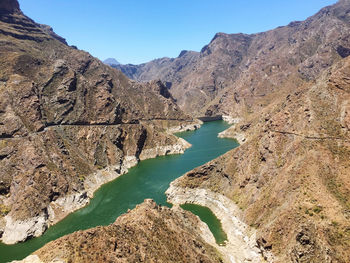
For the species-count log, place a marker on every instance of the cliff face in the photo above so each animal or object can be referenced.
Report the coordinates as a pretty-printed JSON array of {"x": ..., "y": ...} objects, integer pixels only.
[
  {"x": 68, "y": 123},
  {"x": 9, "y": 6},
  {"x": 148, "y": 233},
  {"x": 290, "y": 177},
  {"x": 237, "y": 74}
]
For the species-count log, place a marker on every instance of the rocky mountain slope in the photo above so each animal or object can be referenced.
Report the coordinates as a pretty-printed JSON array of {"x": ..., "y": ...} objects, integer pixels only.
[
  {"x": 148, "y": 233},
  {"x": 290, "y": 177},
  {"x": 236, "y": 74},
  {"x": 286, "y": 189},
  {"x": 68, "y": 123}
]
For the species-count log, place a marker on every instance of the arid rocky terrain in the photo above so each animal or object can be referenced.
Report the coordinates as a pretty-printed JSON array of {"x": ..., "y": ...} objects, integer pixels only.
[
  {"x": 148, "y": 233},
  {"x": 69, "y": 124},
  {"x": 287, "y": 91},
  {"x": 290, "y": 178},
  {"x": 237, "y": 74}
]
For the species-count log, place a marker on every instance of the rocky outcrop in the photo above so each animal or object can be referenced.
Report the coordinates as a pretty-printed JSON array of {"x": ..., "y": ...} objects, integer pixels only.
[
  {"x": 68, "y": 124},
  {"x": 290, "y": 177},
  {"x": 9, "y": 6},
  {"x": 49, "y": 30},
  {"x": 239, "y": 74},
  {"x": 148, "y": 233}
]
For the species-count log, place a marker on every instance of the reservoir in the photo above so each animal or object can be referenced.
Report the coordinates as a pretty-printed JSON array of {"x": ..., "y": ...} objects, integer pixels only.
[
  {"x": 207, "y": 216},
  {"x": 149, "y": 179}
]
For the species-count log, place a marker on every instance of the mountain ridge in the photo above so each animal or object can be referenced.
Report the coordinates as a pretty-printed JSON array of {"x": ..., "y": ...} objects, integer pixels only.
[{"x": 204, "y": 81}]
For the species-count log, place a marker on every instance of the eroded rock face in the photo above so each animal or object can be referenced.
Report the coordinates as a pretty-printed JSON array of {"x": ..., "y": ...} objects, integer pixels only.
[
  {"x": 68, "y": 123},
  {"x": 237, "y": 74},
  {"x": 148, "y": 233},
  {"x": 9, "y": 6},
  {"x": 291, "y": 175}
]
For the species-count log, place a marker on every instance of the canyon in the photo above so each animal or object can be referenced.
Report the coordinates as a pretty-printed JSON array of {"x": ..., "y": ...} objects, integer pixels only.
[
  {"x": 149, "y": 179},
  {"x": 69, "y": 123}
]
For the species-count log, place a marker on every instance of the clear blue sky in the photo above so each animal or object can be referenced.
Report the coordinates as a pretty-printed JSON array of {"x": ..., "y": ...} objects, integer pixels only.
[{"x": 136, "y": 31}]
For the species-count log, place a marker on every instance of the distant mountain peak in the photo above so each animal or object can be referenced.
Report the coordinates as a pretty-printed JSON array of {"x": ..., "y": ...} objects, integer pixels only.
[
  {"x": 183, "y": 52},
  {"x": 111, "y": 61}
]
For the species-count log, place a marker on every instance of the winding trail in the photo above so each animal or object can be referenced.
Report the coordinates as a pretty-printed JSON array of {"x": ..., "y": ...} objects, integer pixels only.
[
  {"x": 313, "y": 137},
  {"x": 52, "y": 126}
]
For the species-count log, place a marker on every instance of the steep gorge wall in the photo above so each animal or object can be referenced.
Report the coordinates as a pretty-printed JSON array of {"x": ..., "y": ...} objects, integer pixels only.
[
  {"x": 290, "y": 177},
  {"x": 68, "y": 123}
]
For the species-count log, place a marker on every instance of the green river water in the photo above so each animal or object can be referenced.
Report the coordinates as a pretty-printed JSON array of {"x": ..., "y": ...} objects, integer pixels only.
[
  {"x": 149, "y": 179},
  {"x": 207, "y": 216}
]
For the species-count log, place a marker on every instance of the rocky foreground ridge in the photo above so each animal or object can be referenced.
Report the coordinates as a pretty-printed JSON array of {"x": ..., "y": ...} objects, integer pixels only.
[
  {"x": 68, "y": 124},
  {"x": 148, "y": 233},
  {"x": 237, "y": 74}
]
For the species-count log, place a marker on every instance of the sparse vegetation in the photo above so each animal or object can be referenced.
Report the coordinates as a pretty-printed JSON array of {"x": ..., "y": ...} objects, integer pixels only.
[
  {"x": 4, "y": 210},
  {"x": 338, "y": 235},
  {"x": 280, "y": 162},
  {"x": 81, "y": 178},
  {"x": 317, "y": 209},
  {"x": 309, "y": 212},
  {"x": 336, "y": 189}
]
